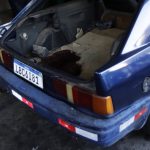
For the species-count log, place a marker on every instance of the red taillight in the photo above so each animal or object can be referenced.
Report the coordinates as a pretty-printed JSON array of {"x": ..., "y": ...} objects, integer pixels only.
[
  {"x": 66, "y": 125},
  {"x": 84, "y": 98},
  {"x": 6, "y": 59},
  {"x": 60, "y": 87}
]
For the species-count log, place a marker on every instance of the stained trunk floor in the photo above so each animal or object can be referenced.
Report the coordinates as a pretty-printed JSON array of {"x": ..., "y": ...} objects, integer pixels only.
[{"x": 93, "y": 50}]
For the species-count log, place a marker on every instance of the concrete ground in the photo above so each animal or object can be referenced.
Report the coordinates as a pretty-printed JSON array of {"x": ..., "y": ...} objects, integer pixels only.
[{"x": 22, "y": 129}]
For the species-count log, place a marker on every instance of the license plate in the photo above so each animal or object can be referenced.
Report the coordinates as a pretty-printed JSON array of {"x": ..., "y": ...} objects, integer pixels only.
[{"x": 28, "y": 73}]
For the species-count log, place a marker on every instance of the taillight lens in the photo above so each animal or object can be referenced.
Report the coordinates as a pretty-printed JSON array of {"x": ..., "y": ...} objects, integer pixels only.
[
  {"x": 1, "y": 57},
  {"x": 103, "y": 105},
  {"x": 60, "y": 87},
  {"x": 84, "y": 98},
  {"x": 6, "y": 59}
]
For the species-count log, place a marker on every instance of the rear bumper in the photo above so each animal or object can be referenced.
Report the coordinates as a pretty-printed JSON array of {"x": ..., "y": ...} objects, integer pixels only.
[{"x": 108, "y": 131}]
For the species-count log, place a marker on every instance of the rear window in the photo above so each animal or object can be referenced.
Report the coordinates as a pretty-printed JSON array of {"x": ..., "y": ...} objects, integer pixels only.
[{"x": 140, "y": 33}]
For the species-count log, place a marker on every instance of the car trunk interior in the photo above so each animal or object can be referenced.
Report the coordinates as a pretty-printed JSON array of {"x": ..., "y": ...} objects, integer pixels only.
[
  {"x": 5, "y": 12},
  {"x": 76, "y": 37}
]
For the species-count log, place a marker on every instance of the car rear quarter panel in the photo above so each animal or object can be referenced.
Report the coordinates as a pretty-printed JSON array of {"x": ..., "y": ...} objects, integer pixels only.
[
  {"x": 123, "y": 78},
  {"x": 124, "y": 81}
]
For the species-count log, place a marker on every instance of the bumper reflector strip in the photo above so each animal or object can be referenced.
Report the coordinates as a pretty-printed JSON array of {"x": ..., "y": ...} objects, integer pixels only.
[
  {"x": 140, "y": 114},
  {"x": 66, "y": 125},
  {"x": 126, "y": 124},
  {"x": 22, "y": 99},
  {"x": 81, "y": 132}
]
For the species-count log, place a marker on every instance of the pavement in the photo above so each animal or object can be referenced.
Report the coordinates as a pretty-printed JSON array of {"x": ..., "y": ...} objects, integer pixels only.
[{"x": 23, "y": 129}]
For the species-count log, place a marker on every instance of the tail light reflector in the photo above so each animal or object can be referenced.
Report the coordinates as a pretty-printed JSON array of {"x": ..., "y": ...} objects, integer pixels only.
[
  {"x": 81, "y": 132},
  {"x": 133, "y": 119},
  {"x": 103, "y": 105},
  {"x": 22, "y": 99},
  {"x": 6, "y": 59},
  {"x": 60, "y": 87},
  {"x": 25, "y": 101},
  {"x": 84, "y": 98},
  {"x": 141, "y": 113},
  {"x": 66, "y": 125}
]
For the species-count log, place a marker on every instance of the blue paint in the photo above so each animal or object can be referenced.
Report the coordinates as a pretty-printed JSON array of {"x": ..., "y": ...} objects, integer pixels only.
[
  {"x": 107, "y": 129},
  {"x": 122, "y": 79}
]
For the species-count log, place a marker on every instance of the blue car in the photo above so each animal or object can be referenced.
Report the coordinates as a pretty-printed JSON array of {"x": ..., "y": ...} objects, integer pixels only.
[{"x": 82, "y": 64}]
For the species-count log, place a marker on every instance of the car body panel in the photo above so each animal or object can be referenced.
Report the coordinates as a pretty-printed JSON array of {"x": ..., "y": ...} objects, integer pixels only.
[
  {"x": 109, "y": 130},
  {"x": 122, "y": 79},
  {"x": 124, "y": 76}
]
